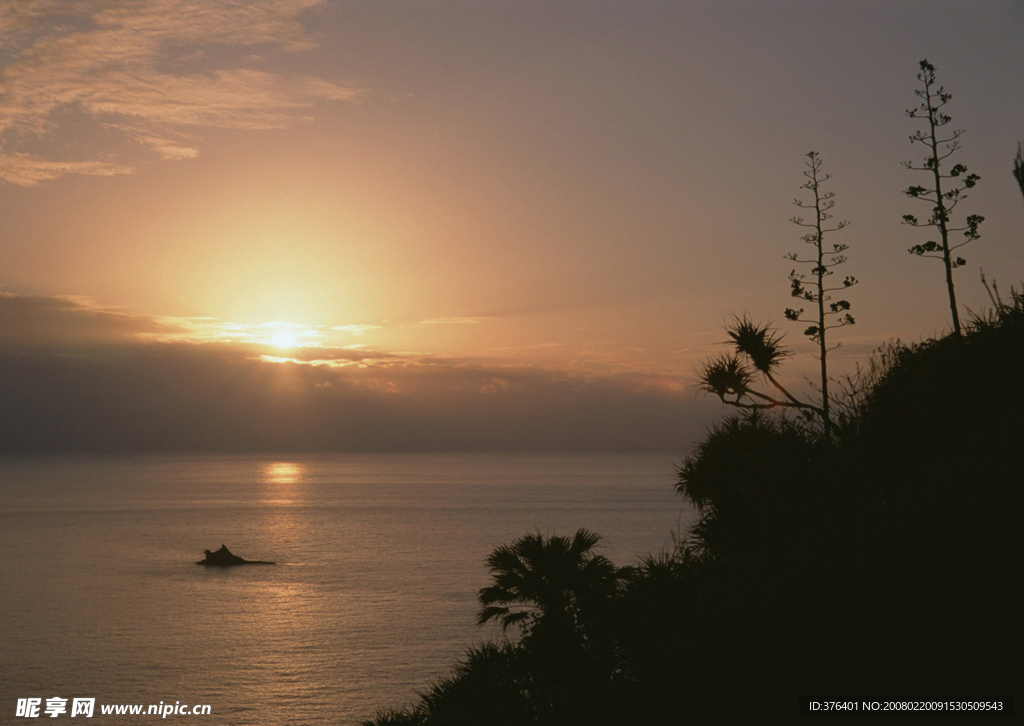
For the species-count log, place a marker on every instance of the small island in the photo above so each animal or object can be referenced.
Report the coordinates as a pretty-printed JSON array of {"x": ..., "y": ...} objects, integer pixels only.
[{"x": 225, "y": 558}]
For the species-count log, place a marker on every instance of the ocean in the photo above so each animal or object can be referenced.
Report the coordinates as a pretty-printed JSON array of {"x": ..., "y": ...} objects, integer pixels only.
[{"x": 379, "y": 560}]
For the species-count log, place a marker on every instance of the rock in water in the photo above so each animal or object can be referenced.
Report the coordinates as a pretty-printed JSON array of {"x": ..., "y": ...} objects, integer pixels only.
[{"x": 225, "y": 558}]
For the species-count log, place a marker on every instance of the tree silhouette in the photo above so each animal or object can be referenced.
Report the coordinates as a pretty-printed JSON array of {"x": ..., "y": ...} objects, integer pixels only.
[
  {"x": 561, "y": 594},
  {"x": 550, "y": 580},
  {"x": 943, "y": 195},
  {"x": 756, "y": 349},
  {"x": 816, "y": 290}
]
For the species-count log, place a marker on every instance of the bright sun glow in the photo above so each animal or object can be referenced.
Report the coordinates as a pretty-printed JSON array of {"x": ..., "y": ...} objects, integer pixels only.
[{"x": 284, "y": 339}]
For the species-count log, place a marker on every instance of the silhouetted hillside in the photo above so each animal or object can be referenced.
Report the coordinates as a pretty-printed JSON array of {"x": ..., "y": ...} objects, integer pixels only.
[{"x": 885, "y": 565}]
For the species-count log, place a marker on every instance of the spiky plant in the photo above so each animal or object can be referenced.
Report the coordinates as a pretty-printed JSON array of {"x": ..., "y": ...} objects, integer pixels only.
[
  {"x": 757, "y": 349},
  {"x": 727, "y": 377},
  {"x": 761, "y": 344}
]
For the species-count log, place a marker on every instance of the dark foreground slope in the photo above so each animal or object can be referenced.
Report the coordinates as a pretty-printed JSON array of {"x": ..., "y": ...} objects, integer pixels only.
[{"x": 886, "y": 565}]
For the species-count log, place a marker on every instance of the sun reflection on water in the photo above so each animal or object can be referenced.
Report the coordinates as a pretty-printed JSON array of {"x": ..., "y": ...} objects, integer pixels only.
[{"x": 283, "y": 472}]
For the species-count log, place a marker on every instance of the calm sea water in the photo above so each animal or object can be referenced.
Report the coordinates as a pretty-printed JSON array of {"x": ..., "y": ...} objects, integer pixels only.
[{"x": 379, "y": 561}]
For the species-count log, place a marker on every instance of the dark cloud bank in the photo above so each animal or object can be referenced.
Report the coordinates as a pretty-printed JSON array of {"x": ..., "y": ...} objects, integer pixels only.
[{"x": 73, "y": 378}]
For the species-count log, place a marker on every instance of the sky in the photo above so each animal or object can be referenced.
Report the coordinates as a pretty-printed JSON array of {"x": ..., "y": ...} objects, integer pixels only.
[{"x": 460, "y": 224}]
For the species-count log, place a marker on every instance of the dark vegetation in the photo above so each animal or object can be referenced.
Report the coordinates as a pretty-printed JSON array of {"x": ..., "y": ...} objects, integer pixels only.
[
  {"x": 886, "y": 564},
  {"x": 869, "y": 553}
]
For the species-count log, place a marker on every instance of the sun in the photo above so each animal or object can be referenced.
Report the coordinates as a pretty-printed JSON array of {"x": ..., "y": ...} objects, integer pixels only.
[{"x": 284, "y": 339}]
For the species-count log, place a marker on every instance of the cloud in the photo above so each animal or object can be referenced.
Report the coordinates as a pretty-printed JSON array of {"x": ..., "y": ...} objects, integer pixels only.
[
  {"x": 355, "y": 329},
  {"x": 495, "y": 385},
  {"x": 78, "y": 377},
  {"x": 27, "y": 170},
  {"x": 66, "y": 323},
  {"x": 456, "y": 320},
  {"x": 147, "y": 70}
]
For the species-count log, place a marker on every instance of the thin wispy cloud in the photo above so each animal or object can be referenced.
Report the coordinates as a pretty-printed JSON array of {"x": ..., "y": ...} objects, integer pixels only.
[
  {"x": 153, "y": 72},
  {"x": 521, "y": 348},
  {"x": 28, "y": 169},
  {"x": 355, "y": 329},
  {"x": 456, "y": 320}
]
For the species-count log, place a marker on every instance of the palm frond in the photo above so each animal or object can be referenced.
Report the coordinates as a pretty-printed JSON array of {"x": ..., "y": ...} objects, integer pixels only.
[
  {"x": 725, "y": 375},
  {"x": 760, "y": 343}
]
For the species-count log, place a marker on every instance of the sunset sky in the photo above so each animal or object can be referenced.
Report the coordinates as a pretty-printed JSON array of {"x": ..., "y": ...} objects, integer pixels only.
[{"x": 479, "y": 224}]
